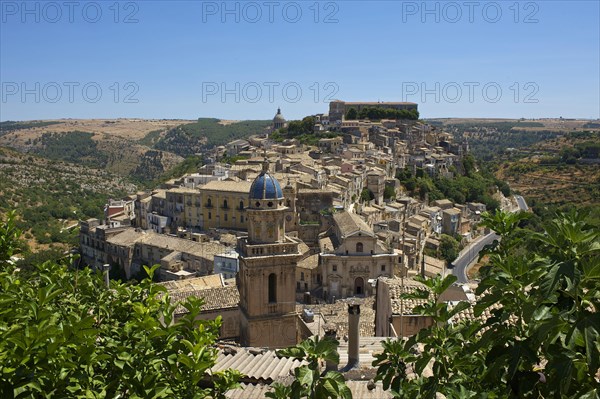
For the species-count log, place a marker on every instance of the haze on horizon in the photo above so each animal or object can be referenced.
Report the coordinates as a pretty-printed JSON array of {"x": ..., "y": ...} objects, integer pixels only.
[{"x": 242, "y": 60}]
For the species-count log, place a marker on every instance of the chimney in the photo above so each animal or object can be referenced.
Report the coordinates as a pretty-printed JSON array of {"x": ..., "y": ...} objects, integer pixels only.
[
  {"x": 353, "y": 335},
  {"x": 331, "y": 333}
]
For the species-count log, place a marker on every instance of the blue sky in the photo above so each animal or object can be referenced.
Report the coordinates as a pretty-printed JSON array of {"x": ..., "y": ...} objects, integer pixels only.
[{"x": 241, "y": 60}]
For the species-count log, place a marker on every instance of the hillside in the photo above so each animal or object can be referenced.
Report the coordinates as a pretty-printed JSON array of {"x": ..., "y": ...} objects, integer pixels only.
[
  {"x": 140, "y": 150},
  {"x": 553, "y": 163},
  {"x": 193, "y": 138},
  {"x": 50, "y": 195},
  {"x": 57, "y": 172},
  {"x": 556, "y": 172},
  {"x": 101, "y": 144},
  {"x": 489, "y": 137}
]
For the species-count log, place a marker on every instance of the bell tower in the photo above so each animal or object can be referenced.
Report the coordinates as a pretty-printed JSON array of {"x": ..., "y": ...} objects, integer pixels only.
[
  {"x": 291, "y": 216},
  {"x": 267, "y": 276}
]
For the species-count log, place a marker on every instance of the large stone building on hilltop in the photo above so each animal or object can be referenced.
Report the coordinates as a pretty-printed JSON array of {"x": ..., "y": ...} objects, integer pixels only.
[{"x": 338, "y": 109}]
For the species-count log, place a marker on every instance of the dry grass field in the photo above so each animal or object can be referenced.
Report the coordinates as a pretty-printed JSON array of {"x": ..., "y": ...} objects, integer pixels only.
[{"x": 127, "y": 129}]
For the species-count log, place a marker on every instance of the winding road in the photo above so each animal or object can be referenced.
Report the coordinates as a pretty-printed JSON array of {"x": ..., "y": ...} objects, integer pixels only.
[
  {"x": 469, "y": 254},
  {"x": 521, "y": 202}
]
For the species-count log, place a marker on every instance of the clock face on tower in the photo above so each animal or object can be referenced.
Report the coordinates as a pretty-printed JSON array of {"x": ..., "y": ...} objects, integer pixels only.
[{"x": 288, "y": 218}]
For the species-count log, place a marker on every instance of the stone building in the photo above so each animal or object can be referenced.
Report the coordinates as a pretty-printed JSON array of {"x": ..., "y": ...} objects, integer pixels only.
[
  {"x": 338, "y": 109},
  {"x": 267, "y": 276},
  {"x": 352, "y": 256}
]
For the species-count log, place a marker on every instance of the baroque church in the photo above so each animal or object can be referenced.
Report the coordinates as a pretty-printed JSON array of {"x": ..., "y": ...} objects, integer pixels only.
[{"x": 267, "y": 274}]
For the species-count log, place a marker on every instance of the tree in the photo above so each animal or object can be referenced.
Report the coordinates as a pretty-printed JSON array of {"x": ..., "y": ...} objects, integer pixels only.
[
  {"x": 366, "y": 195},
  {"x": 352, "y": 114},
  {"x": 541, "y": 337},
  {"x": 448, "y": 248},
  {"x": 389, "y": 193},
  {"x": 9, "y": 239},
  {"x": 309, "y": 381},
  {"x": 64, "y": 335}
]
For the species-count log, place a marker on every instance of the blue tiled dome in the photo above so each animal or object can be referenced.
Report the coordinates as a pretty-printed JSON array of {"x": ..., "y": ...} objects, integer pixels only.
[{"x": 265, "y": 187}]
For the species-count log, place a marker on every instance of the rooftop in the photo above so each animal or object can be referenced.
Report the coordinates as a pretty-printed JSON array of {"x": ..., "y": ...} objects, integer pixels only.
[
  {"x": 398, "y": 287},
  {"x": 256, "y": 365},
  {"x": 242, "y": 187},
  {"x": 215, "y": 298},
  {"x": 264, "y": 187},
  {"x": 191, "y": 284},
  {"x": 350, "y": 223}
]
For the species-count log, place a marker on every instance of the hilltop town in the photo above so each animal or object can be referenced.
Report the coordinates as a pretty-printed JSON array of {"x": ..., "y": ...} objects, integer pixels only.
[{"x": 282, "y": 239}]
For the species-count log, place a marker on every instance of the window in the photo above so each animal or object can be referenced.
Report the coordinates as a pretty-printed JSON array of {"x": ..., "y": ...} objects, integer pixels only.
[
  {"x": 272, "y": 288},
  {"x": 242, "y": 219},
  {"x": 298, "y": 286},
  {"x": 359, "y": 247},
  {"x": 301, "y": 276},
  {"x": 241, "y": 205},
  {"x": 382, "y": 268},
  {"x": 209, "y": 203},
  {"x": 225, "y": 204},
  {"x": 209, "y": 215},
  {"x": 225, "y": 217},
  {"x": 334, "y": 267}
]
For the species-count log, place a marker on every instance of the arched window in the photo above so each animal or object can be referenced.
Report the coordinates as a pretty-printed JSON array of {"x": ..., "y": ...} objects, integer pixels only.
[
  {"x": 272, "y": 288},
  {"x": 359, "y": 247},
  {"x": 209, "y": 202},
  {"x": 225, "y": 204},
  {"x": 241, "y": 204}
]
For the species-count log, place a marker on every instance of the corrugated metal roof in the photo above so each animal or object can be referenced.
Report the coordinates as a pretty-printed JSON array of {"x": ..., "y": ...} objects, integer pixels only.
[{"x": 256, "y": 365}]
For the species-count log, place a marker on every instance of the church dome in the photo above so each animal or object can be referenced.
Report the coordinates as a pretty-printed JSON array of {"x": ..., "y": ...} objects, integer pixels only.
[
  {"x": 278, "y": 117},
  {"x": 265, "y": 187}
]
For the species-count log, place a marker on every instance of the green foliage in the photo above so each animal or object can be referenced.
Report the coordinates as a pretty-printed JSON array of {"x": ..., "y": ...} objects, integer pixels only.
[
  {"x": 389, "y": 193},
  {"x": 76, "y": 147},
  {"x": 64, "y": 335},
  {"x": 309, "y": 381},
  {"x": 193, "y": 138},
  {"x": 151, "y": 138},
  {"x": 298, "y": 128},
  {"x": 55, "y": 196},
  {"x": 377, "y": 113},
  {"x": 11, "y": 126},
  {"x": 303, "y": 131},
  {"x": 449, "y": 248},
  {"x": 474, "y": 186},
  {"x": 233, "y": 159},
  {"x": 190, "y": 165},
  {"x": 541, "y": 335},
  {"x": 277, "y": 136},
  {"x": 352, "y": 114},
  {"x": 9, "y": 238},
  {"x": 488, "y": 140},
  {"x": 587, "y": 150},
  {"x": 366, "y": 195}
]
